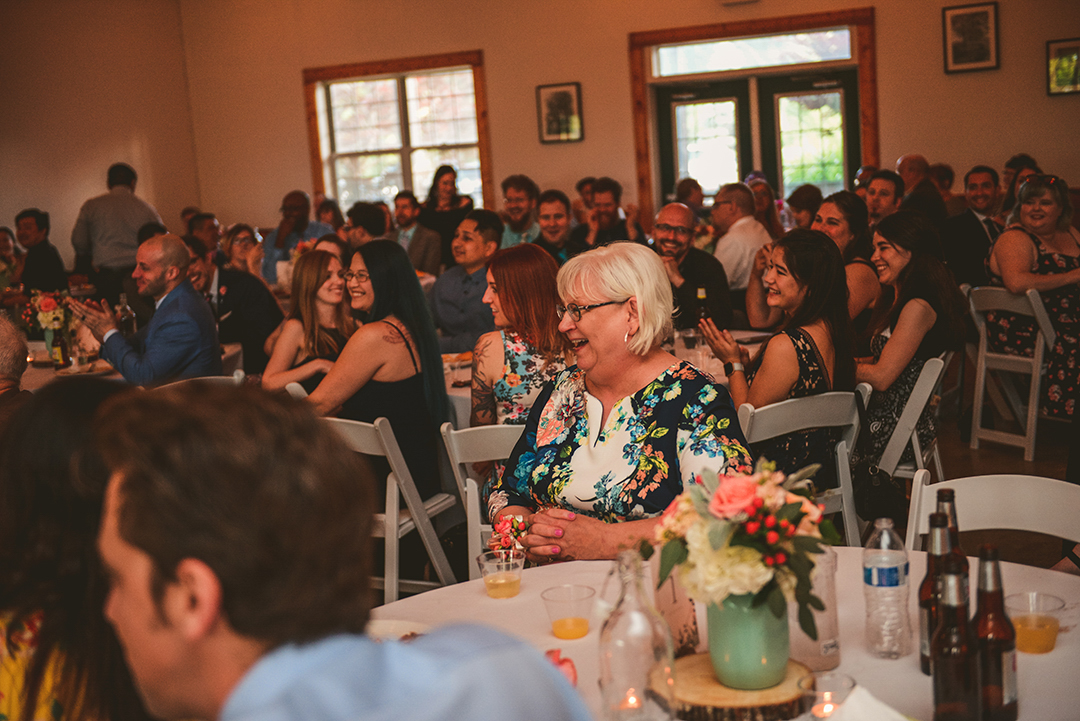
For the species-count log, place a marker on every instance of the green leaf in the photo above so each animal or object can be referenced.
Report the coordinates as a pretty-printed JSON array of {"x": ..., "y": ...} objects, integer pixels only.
[
  {"x": 806, "y": 621},
  {"x": 816, "y": 602},
  {"x": 764, "y": 466},
  {"x": 645, "y": 548},
  {"x": 710, "y": 482},
  {"x": 701, "y": 502},
  {"x": 672, "y": 554},
  {"x": 719, "y": 533},
  {"x": 806, "y": 544},
  {"x": 828, "y": 532},
  {"x": 777, "y": 602},
  {"x": 802, "y": 475},
  {"x": 790, "y": 512}
]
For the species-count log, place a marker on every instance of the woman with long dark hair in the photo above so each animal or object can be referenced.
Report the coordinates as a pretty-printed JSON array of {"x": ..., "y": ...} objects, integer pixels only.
[
  {"x": 512, "y": 364},
  {"x": 444, "y": 209},
  {"x": 812, "y": 353},
  {"x": 318, "y": 326},
  {"x": 59, "y": 658},
  {"x": 919, "y": 316},
  {"x": 391, "y": 365}
]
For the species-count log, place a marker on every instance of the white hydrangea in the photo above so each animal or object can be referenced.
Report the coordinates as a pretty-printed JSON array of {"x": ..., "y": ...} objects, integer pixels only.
[{"x": 711, "y": 576}]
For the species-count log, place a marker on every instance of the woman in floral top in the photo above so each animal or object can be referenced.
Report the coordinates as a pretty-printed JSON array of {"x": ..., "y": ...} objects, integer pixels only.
[
  {"x": 610, "y": 443},
  {"x": 511, "y": 365}
]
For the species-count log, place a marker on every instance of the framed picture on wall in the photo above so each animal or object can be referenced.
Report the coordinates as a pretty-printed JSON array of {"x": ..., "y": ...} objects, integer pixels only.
[
  {"x": 1063, "y": 66},
  {"x": 558, "y": 113},
  {"x": 970, "y": 36}
]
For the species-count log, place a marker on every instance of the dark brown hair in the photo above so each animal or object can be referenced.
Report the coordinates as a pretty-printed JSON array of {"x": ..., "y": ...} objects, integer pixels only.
[
  {"x": 52, "y": 488},
  {"x": 259, "y": 489}
]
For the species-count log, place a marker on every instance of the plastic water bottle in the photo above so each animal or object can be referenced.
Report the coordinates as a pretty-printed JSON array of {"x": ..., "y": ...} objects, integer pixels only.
[{"x": 885, "y": 584}]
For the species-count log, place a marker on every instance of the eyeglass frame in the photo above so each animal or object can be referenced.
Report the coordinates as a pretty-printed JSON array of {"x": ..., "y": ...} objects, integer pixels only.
[
  {"x": 676, "y": 229},
  {"x": 361, "y": 276},
  {"x": 576, "y": 311}
]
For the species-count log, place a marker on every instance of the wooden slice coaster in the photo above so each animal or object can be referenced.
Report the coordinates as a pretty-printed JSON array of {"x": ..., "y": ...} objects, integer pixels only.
[{"x": 700, "y": 697}]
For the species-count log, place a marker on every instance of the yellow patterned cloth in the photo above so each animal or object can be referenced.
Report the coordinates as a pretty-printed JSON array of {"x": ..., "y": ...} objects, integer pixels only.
[{"x": 17, "y": 646}]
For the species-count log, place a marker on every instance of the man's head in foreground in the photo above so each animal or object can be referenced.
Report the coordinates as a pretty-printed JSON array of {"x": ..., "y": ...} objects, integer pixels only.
[{"x": 235, "y": 522}]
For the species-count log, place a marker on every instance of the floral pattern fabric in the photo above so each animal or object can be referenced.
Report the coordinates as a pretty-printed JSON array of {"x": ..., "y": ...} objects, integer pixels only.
[
  {"x": 1015, "y": 335},
  {"x": 17, "y": 645},
  {"x": 524, "y": 373},
  {"x": 631, "y": 465},
  {"x": 795, "y": 451}
]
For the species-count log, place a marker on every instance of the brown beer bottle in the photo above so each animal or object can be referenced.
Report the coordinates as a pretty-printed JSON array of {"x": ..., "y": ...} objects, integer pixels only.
[
  {"x": 954, "y": 657},
  {"x": 996, "y": 643},
  {"x": 702, "y": 306},
  {"x": 930, "y": 589},
  {"x": 946, "y": 503}
]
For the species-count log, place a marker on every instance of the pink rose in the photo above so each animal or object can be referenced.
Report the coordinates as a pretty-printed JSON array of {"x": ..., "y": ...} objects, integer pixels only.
[
  {"x": 735, "y": 495},
  {"x": 47, "y": 304}
]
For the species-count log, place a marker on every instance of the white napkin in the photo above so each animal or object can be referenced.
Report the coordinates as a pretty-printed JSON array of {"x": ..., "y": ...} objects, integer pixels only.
[{"x": 861, "y": 705}]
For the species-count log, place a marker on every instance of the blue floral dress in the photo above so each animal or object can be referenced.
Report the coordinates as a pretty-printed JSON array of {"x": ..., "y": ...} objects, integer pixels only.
[
  {"x": 525, "y": 371},
  {"x": 634, "y": 465}
]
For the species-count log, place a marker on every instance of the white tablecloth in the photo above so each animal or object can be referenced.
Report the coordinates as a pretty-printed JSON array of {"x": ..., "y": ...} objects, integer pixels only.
[{"x": 1048, "y": 690}]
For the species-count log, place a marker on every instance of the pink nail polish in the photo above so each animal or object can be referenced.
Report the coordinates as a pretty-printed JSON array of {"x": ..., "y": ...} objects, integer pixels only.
[
  {"x": 558, "y": 533},
  {"x": 573, "y": 516},
  {"x": 554, "y": 550}
]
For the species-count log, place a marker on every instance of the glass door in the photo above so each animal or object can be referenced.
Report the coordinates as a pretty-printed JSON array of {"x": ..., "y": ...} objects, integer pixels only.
[
  {"x": 704, "y": 133},
  {"x": 809, "y": 130}
]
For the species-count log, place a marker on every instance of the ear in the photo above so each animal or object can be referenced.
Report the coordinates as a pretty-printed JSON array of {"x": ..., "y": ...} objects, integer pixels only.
[
  {"x": 172, "y": 272},
  {"x": 633, "y": 318},
  {"x": 192, "y": 603}
]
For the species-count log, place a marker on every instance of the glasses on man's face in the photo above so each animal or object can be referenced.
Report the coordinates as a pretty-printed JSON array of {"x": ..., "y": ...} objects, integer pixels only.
[
  {"x": 576, "y": 311},
  {"x": 360, "y": 276},
  {"x": 676, "y": 229}
]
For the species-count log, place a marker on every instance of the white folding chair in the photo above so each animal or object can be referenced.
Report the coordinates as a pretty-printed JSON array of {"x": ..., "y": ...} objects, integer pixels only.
[
  {"x": 1022, "y": 503},
  {"x": 377, "y": 439},
  {"x": 905, "y": 430},
  {"x": 982, "y": 300},
  {"x": 295, "y": 390},
  {"x": 477, "y": 445},
  {"x": 236, "y": 379},
  {"x": 827, "y": 410}
]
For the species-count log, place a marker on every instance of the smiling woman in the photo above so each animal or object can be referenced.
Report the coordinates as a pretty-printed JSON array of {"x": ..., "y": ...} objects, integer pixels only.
[{"x": 612, "y": 441}]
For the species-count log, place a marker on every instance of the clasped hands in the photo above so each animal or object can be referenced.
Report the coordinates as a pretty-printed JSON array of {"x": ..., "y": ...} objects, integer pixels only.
[
  {"x": 556, "y": 534},
  {"x": 100, "y": 319}
]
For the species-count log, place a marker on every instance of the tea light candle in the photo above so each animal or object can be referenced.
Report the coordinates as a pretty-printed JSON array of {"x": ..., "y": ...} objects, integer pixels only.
[
  {"x": 825, "y": 708},
  {"x": 631, "y": 701}
]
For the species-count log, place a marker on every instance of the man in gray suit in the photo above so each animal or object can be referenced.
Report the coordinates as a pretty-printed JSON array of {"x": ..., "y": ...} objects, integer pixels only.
[{"x": 423, "y": 244}]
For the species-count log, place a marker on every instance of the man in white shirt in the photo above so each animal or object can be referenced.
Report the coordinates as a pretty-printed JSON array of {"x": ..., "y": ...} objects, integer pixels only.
[{"x": 741, "y": 236}]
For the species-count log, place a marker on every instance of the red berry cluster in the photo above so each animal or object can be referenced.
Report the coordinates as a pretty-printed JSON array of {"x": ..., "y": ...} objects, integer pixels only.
[{"x": 763, "y": 524}]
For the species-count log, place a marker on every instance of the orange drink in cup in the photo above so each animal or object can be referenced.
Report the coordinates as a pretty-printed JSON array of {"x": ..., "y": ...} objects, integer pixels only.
[
  {"x": 569, "y": 608},
  {"x": 1035, "y": 617},
  {"x": 502, "y": 572}
]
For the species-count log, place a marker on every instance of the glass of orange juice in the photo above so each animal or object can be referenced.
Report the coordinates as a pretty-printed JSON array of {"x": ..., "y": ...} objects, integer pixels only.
[
  {"x": 569, "y": 608},
  {"x": 501, "y": 570},
  {"x": 1035, "y": 617}
]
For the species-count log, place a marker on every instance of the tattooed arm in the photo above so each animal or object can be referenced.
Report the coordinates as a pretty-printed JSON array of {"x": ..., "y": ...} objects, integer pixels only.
[{"x": 486, "y": 368}]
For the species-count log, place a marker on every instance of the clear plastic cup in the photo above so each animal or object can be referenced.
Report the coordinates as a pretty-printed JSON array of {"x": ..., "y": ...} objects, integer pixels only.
[
  {"x": 1035, "y": 616},
  {"x": 569, "y": 608},
  {"x": 502, "y": 572}
]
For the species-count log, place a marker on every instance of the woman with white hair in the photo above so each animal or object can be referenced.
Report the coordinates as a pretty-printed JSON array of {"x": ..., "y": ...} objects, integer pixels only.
[{"x": 611, "y": 441}]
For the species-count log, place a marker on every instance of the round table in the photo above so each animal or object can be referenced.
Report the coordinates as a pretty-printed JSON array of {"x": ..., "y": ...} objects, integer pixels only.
[{"x": 1046, "y": 688}]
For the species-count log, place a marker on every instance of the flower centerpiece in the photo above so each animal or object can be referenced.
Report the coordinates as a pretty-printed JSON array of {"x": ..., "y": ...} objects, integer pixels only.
[
  {"x": 743, "y": 545},
  {"x": 50, "y": 312}
]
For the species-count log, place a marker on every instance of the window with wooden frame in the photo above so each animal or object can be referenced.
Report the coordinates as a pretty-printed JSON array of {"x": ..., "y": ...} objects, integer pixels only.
[{"x": 381, "y": 127}]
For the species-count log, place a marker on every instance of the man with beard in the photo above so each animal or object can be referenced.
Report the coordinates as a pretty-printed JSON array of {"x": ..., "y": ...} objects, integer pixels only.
[
  {"x": 423, "y": 244},
  {"x": 690, "y": 270},
  {"x": 883, "y": 195},
  {"x": 519, "y": 203},
  {"x": 969, "y": 236},
  {"x": 604, "y": 225}
]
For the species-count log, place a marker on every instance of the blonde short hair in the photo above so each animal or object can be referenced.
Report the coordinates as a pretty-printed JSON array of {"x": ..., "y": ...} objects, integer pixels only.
[{"x": 621, "y": 271}]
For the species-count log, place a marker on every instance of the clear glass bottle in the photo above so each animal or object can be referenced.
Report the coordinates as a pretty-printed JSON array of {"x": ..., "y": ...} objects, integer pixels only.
[
  {"x": 824, "y": 653},
  {"x": 126, "y": 317},
  {"x": 637, "y": 656}
]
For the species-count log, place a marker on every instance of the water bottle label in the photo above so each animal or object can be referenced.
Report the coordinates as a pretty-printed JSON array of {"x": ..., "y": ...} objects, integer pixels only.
[{"x": 887, "y": 576}]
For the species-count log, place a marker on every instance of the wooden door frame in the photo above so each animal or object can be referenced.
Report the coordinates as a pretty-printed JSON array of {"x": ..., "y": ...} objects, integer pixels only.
[{"x": 862, "y": 19}]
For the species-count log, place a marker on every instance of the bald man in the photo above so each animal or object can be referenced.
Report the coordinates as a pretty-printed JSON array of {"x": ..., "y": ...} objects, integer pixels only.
[
  {"x": 922, "y": 195},
  {"x": 690, "y": 270},
  {"x": 181, "y": 340}
]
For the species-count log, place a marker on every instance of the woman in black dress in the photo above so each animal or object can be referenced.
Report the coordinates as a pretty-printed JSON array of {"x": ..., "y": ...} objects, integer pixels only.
[{"x": 444, "y": 209}]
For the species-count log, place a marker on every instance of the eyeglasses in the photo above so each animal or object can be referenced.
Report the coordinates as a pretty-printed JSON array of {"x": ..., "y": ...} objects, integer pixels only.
[
  {"x": 576, "y": 311},
  {"x": 676, "y": 229},
  {"x": 359, "y": 276}
]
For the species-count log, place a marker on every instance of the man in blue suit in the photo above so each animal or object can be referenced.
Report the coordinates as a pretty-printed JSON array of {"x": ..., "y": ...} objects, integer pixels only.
[{"x": 181, "y": 340}]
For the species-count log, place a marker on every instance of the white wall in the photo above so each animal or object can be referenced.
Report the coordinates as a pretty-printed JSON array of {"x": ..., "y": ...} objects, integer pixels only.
[{"x": 86, "y": 84}]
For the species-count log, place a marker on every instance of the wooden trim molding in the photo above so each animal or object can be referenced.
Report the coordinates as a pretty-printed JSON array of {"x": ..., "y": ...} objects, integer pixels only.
[
  {"x": 640, "y": 43},
  {"x": 315, "y": 78}
]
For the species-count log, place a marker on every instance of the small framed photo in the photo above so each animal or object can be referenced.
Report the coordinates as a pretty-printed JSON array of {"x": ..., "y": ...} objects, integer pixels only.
[
  {"x": 558, "y": 113},
  {"x": 1063, "y": 67},
  {"x": 970, "y": 35}
]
